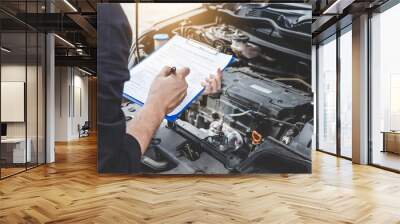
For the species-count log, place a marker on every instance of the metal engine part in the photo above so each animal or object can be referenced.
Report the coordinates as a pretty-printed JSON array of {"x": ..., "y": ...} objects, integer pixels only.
[
  {"x": 227, "y": 38},
  {"x": 224, "y": 136}
]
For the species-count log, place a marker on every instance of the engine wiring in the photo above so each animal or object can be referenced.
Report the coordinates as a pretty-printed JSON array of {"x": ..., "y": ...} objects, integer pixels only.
[{"x": 240, "y": 114}]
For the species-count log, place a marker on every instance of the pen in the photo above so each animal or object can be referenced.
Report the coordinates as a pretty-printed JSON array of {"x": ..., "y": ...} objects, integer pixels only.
[{"x": 172, "y": 70}]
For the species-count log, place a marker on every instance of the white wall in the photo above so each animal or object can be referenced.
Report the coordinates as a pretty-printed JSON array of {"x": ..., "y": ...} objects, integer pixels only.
[
  {"x": 12, "y": 101},
  {"x": 17, "y": 73},
  {"x": 71, "y": 103},
  {"x": 61, "y": 103},
  {"x": 14, "y": 73},
  {"x": 33, "y": 126},
  {"x": 80, "y": 112}
]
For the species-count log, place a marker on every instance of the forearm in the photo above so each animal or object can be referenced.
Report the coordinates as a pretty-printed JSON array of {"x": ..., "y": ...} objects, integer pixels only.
[{"x": 145, "y": 124}]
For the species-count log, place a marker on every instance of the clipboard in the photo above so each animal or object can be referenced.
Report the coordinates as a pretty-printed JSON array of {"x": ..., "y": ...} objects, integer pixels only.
[{"x": 195, "y": 49}]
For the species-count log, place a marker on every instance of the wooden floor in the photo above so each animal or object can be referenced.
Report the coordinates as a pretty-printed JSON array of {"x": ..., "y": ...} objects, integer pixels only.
[
  {"x": 70, "y": 191},
  {"x": 5, "y": 172},
  {"x": 387, "y": 159}
]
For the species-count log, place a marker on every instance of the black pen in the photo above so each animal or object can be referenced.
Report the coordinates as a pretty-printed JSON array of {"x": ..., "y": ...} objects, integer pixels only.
[{"x": 172, "y": 70}]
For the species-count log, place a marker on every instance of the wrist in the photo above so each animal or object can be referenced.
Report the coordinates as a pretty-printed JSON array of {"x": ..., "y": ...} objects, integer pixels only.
[
  {"x": 145, "y": 123},
  {"x": 155, "y": 109}
]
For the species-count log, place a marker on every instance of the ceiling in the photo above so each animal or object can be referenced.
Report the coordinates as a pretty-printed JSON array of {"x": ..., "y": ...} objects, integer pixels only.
[
  {"x": 75, "y": 25},
  {"x": 332, "y": 15}
]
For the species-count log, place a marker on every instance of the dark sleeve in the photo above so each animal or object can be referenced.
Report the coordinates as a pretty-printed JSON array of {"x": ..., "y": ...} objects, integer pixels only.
[{"x": 118, "y": 152}]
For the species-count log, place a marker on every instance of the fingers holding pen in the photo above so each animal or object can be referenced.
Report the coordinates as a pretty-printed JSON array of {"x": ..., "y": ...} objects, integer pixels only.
[
  {"x": 165, "y": 71},
  {"x": 181, "y": 73},
  {"x": 169, "y": 88}
]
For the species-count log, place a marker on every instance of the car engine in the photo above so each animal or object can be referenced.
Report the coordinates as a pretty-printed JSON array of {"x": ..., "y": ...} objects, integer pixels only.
[{"x": 262, "y": 120}]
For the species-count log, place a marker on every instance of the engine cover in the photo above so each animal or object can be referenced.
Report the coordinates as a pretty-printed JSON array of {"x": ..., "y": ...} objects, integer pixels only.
[{"x": 263, "y": 95}]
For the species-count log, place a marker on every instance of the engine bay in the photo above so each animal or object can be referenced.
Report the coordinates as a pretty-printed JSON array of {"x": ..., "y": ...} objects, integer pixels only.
[{"x": 262, "y": 119}]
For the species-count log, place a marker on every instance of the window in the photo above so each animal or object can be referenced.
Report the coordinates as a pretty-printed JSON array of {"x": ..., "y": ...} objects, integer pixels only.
[
  {"x": 346, "y": 93},
  {"x": 385, "y": 88},
  {"x": 327, "y": 96},
  {"x": 22, "y": 75}
]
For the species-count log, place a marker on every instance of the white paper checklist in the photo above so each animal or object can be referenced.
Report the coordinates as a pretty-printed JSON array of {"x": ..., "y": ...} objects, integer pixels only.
[{"x": 177, "y": 52}]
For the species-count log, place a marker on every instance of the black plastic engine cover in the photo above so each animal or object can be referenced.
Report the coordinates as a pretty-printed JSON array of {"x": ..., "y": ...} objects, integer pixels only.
[
  {"x": 274, "y": 157},
  {"x": 264, "y": 95}
]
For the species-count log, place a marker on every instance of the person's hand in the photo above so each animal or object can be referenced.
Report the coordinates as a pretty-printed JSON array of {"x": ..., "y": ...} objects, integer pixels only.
[
  {"x": 213, "y": 83},
  {"x": 168, "y": 90}
]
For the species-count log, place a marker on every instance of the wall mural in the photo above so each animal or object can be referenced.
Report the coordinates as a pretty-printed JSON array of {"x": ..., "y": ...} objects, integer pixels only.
[{"x": 254, "y": 116}]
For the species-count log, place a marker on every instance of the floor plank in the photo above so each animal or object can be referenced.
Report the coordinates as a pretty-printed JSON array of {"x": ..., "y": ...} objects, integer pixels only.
[{"x": 70, "y": 191}]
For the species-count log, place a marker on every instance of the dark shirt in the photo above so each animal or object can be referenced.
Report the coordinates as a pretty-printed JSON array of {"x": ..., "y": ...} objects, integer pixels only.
[{"x": 118, "y": 152}]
